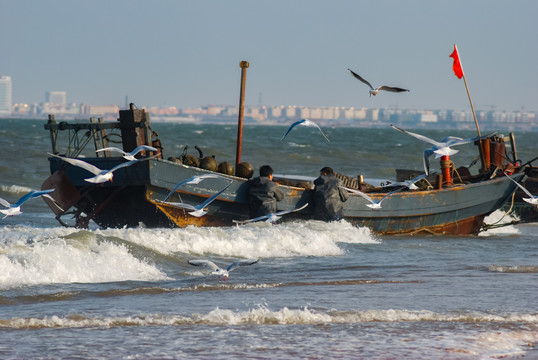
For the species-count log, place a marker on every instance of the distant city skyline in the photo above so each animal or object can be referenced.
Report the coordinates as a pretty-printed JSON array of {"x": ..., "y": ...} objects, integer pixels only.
[{"x": 187, "y": 53}]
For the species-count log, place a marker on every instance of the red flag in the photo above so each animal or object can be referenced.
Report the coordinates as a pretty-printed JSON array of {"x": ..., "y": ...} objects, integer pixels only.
[{"x": 458, "y": 71}]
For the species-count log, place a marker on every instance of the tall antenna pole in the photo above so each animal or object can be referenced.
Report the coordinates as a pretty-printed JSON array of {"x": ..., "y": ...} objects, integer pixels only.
[{"x": 243, "y": 65}]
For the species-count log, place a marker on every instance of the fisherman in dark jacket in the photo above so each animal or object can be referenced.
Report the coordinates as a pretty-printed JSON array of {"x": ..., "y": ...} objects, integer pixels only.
[
  {"x": 329, "y": 196},
  {"x": 263, "y": 193}
]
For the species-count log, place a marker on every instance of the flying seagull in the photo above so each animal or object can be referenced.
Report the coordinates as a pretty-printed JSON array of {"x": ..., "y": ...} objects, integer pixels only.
[
  {"x": 410, "y": 184},
  {"x": 15, "y": 209},
  {"x": 304, "y": 122},
  {"x": 130, "y": 155},
  {"x": 197, "y": 210},
  {"x": 101, "y": 176},
  {"x": 532, "y": 199},
  {"x": 195, "y": 180},
  {"x": 442, "y": 148},
  {"x": 221, "y": 273},
  {"x": 374, "y": 204},
  {"x": 376, "y": 90},
  {"x": 273, "y": 218}
]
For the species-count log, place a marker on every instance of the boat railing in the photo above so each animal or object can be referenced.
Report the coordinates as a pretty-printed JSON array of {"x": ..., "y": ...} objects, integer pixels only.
[{"x": 133, "y": 126}]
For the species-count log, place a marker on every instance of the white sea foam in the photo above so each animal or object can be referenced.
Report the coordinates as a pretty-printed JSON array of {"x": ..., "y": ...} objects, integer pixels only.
[
  {"x": 261, "y": 239},
  {"x": 15, "y": 189},
  {"x": 513, "y": 269},
  {"x": 500, "y": 217},
  {"x": 30, "y": 256},
  {"x": 294, "y": 144},
  {"x": 264, "y": 316}
]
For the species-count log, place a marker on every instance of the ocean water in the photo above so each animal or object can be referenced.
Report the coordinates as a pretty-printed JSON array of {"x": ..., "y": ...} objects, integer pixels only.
[{"x": 320, "y": 290}]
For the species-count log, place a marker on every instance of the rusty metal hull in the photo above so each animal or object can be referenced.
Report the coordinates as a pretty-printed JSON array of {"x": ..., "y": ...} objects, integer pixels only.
[
  {"x": 455, "y": 210},
  {"x": 135, "y": 197}
]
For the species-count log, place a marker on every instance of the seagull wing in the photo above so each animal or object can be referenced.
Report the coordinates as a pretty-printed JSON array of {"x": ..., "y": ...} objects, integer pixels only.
[
  {"x": 521, "y": 187},
  {"x": 357, "y": 76},
  {"x": 361, "y": 194},
  {"x": 212, "y": 198},
  {"x": 390, "y": 193},
  {"x": 113, "y": 149},
  {"x": 427, "y": 154},
  {"x": 178, "y": 204},
  {"x": 198, "y": 178},
  {"x": 122, "y": 165},
  {"x": 470, "y": 140},
  {"x": 418, "y": 136},
  {"x": 252, "y": 220},
  {"x": 5, "y": 202},
  {"x": 290, "y": 211},
  {"x": 143, "y": 148},
  {"x": 204, "y": 263},
  {"x": 245, "y": 262},
  {"x": 53, "y": 201},
  {"x": 80, "y": 163},
  {"x": 177, "y": 186},
  {"x": 312, "y": 123},
  {"x": 392, "y": 89},
  {"x": 32, "y": 194},
  {"x": 291, "y": 127},
  {"x": 418, "y": 178},
  {"x": 263, "y": 217}
]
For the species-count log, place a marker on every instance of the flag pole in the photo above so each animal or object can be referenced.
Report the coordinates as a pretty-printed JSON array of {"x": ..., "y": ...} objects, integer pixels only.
[
  {"x": 458, "y": 71},
  {"x": 472, "y": 107}
]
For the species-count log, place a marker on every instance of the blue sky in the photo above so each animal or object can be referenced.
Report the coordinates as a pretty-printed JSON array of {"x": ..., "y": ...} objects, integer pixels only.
[{"x": 187, "y": 53}]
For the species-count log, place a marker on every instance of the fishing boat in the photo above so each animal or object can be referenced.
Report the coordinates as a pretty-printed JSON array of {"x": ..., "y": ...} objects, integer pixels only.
[{"x": 135, "y": 196}]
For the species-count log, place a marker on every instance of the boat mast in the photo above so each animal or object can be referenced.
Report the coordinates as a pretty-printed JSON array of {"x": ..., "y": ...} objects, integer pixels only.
[{"x": 243, "y": 65}]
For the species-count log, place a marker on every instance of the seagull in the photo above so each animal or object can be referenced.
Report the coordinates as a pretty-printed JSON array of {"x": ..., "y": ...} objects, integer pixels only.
[
  {"x": 304, "y": 122},
  {"x": 374, "y": 204},
  {"x": 272, "y": 218},
  {"x": 130, "y": 155},
  {"x": 442, "y": 148},
  {"x": 376, "y": 90},
  {"x": 532, "y": 199},
  {"x": 101, "y": 176},
  {"x": 15, "y": 209},
  {"x": 197, "y": 210},
  {"x": 195, "y": 180},
  {"x": 410, "y": 184},
  {"x": 221, "y": 273}
]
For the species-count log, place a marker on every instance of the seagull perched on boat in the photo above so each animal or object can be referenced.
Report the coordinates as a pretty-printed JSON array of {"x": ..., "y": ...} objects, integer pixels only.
[
  {"x": 197, "y": 210},
  {"x": 442, "y": 148},
  {"x": 194, "y": 180},
  {"x": 532, "y": 199},
  {"x": 101, "y": 176},
  {"x": 221, "y": 273},
  {"x": 15, "y": 209},
  {"x": 376, "y": 90},
  {"x": 410, "y": 184},
  {"x": 272, "y": 218},
  {"x": 130, "y": 155},
  {"x": 304, "y": 122},
  {"x": 374, "y": 204}
]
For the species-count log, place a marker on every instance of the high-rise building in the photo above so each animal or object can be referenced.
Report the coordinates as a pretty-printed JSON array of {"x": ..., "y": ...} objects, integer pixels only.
[
  {"x": 56, "y": 97},
  {"x": 5, "y": 95}
]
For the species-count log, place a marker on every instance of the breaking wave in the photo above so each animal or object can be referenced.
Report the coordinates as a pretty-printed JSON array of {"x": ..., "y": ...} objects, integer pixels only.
[
  {"x": 264, "y": 316},
  {"x": 32, "y": 256}
]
